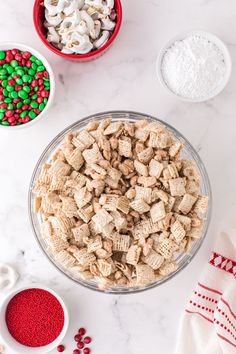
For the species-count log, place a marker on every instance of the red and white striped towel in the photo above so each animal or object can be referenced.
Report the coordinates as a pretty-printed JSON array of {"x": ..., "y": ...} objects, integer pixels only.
[{"x": 209, "y": 323}]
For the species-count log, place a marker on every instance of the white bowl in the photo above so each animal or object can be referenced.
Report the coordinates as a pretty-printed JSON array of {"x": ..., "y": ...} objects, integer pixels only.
[
  {"x": 15, "y": 346},
  {"x": 23, "y": 47},
  {"x": 212, "y": 38}
]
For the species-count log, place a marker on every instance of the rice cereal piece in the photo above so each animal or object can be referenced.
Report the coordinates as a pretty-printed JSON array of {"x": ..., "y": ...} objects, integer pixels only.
[
  {"x": 57, "y": 244},
  {"x": 133, "y": 255},
  {"x": 92, "y": 155},
  {"x": 59, "y": 168},
  {"x": 157, "y": 211},
  {"x": 37, "y": 204},
  {"x": 75, "y": 159},
  {"x": 141, "y": 134},
  {"x": 81, "y": 232},
  {"x": 140, "y": 206},
  {"x": 141, "y": 168},
  {"x": 144, "y": 229},
  {"x": 114, "y": 174},
  {"x": 112, "y": 128},
  {"x": 195, "y": 232},
  {"x": 82, "y": 197},
  {"x": 102, "y": 218},
  {"x": 145, "y": 274},
  {"x": 163, "y": 196},
  {"x": 44, "y": 176},
  {"x": 86, "y": 214},
  {"x": 119, "y": 220},
  {"x": 63, "y": 257},
  {"x": 201, "y": 205},
  {"x": 178, "y": 231},
  {"x": 155, "y": 168},
  {"x": 69, "y": 207},
  {"x": 84, "y": 258},
  {"x": 47, "y": 229},
  {"x": 187, "y": 203},
  {"x": 146, "y": 155},
  {"x": 79, "y": 178},
  {"x": 110, "y": 201},
  {"x": 106, "y": 267},
  {"x": 57, "y": 183},
  {"x": 121, "y": 242},
  {"x": 164, "y": 223},
  {"x": 185, "y": 221},
  {"x": 100, "y": 170},
  {"x": 166, "y": 248},
  {"x": 125, "y": 147},
  {"x": 78, "y": 144},
  {"x": 94, "y": 244},
  {"x": 192, "y": 187},
  {"x": 173, "y": 171},
  {"x": 143, "y": 193},
  {"x": 147, "y": 181},
  {"x": 177, "y": 187},
  {"x": 175, "y": 149},
  {"x": 167, "y": 268},
  {"x": 123, "y": 204},
  {"x": 86, "y": 138},
  {"x": 153, "y": 259}
]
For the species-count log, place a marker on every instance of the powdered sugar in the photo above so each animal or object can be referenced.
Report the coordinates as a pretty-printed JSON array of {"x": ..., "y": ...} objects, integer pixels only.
[{"x": 193, "y": 67}]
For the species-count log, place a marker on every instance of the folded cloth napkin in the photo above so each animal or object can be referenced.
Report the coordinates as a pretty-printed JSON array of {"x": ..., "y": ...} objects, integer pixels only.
[{"x": 208, "y": 325}]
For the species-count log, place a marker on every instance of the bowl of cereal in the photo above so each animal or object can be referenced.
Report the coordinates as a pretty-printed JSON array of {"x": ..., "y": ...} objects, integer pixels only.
[
  {"x": 120, "y": 202},
  {"x": 78, "y": 30}
]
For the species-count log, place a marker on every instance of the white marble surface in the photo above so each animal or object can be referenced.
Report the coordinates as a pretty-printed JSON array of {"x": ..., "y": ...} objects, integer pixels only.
[{"x": 123, "y": 79}]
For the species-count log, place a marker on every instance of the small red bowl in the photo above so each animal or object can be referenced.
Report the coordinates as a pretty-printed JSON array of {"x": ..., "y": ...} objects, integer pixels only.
[{"x": 38, "y": 17}]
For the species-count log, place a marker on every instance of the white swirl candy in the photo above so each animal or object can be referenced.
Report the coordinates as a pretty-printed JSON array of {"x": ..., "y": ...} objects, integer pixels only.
[{"x": 8, "y": 277}]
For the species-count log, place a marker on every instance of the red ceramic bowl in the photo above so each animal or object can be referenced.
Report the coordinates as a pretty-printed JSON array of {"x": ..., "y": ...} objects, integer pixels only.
[{"x": 38, "y": 16}]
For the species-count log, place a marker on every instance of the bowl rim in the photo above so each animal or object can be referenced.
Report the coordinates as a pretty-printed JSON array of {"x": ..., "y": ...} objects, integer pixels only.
[
  {"x": 48, "y": 66},
  {"x": 213, "y": 38},
  {"x": 75, "y": 57},
  {"x": 43, "y": 349},
  {"x": 201, "y": 167}
]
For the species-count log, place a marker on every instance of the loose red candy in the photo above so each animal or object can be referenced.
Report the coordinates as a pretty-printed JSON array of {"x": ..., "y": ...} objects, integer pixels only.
[
  {"x": 26, "y": 55},
  {"x": 60, "y": 348},
  {"x": 3, "y": 105},
  {"x": 80, "y": 345},
  {"x": 28, "y": 64},
  {"x": 76, "y": 351},
  {"x": 82, "y": 331},
  {"x": 9, "y": 113},
  {"x": 77, "y": 338},
  {"x": 87, "y": 340},
  {"x": 18, "y": 57},
  {"x": 87, "y": 350},
  {"x": 14, "y": 51}
]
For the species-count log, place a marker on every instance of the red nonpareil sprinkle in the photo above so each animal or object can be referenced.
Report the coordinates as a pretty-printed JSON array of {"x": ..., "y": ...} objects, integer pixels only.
[
  {"x": 87, "y": 350},
  {"x": 34, "y": 317},
  {"x": 87, "y": 340},
  {"x": 60, "y": 348},
  {"x": 80, "y": 345},
  {"x": 82, "y": 331}
]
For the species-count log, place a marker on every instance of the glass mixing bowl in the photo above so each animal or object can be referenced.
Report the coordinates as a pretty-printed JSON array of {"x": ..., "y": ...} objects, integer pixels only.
[{"x": 188, "y": 152}]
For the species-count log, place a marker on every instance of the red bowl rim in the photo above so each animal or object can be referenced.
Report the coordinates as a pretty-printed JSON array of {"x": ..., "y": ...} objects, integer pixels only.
[{"x": 78, "y": 56}]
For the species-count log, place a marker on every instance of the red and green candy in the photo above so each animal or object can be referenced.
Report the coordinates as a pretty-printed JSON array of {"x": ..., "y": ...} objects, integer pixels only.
[{"x": 24, "y": 87}]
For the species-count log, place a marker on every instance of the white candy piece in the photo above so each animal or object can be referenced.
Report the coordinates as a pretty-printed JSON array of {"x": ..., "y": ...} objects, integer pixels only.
[
  {"x": 102, "y": 40},
  {"x": 54, "y": 7},
  {"x": 8, "y": 277}
]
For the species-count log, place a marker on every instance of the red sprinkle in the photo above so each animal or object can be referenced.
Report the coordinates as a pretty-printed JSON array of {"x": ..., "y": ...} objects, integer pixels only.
[
  {"x": 34, "y": 317},
  {"x": 87, "y": 340},
  {"x": 76, "y": 351},
  {"x": 87, "y": 350},
  {"x": 60, "y": 348},
  {"x": 82, "y": 331},
  {"x": 80, "y": 345}
]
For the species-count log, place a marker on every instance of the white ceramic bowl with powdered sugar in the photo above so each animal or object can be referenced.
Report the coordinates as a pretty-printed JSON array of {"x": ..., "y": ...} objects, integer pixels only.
[{"x": 195, "y": 66}]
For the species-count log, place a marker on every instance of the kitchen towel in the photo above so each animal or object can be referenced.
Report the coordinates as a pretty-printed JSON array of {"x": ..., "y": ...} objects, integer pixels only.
[{"x": 208, "y": 325}]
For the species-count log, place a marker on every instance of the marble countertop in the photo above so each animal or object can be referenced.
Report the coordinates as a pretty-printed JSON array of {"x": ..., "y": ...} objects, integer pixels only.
[{"x": 123, "y": 79}]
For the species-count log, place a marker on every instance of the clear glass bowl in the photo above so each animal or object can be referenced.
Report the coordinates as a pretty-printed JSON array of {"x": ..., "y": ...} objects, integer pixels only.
[{"x": 188, "y": 152}]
